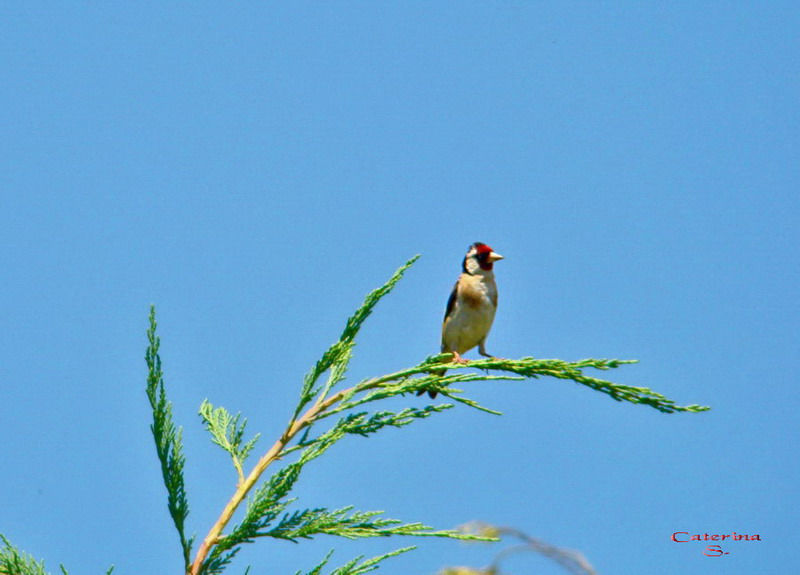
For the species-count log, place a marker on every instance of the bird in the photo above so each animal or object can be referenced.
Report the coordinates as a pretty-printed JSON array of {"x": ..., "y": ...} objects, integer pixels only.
[{"x": 470, "y": 308}]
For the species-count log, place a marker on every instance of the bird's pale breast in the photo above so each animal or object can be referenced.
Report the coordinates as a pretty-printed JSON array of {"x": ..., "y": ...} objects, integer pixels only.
[{"x": 473, "y": 315}]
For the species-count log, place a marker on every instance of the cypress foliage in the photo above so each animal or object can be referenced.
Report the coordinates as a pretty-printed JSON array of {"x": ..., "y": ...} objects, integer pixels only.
[{"x": 265, "y": 500}]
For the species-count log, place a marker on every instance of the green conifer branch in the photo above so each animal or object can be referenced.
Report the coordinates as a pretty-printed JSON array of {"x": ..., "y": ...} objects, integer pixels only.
[
  {"x": 318, "y": 569},
  {"x": 356, "y": 525},
  {"x": 15, "y": 562},
  {"x": 337, "y": 357},
  {"x": 529, "y": 367},
  {"x": 167, "y": 438},
  {"x": 354, "y": 567},
  {"x": 266, "y": 510}
]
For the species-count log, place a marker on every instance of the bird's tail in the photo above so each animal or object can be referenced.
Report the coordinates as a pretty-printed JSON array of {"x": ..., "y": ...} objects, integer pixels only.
[{"x": 432, "y": 393}]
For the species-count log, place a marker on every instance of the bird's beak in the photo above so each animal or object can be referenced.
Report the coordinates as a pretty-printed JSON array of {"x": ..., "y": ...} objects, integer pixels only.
[{"x": 494, "y": 256}]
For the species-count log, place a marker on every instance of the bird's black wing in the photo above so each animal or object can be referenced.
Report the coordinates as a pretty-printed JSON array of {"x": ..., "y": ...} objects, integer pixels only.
[{"x": 451, "y": 302}]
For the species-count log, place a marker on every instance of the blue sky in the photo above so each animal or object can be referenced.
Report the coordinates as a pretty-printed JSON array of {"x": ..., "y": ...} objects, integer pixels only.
[{"x": 254, "y": 169}]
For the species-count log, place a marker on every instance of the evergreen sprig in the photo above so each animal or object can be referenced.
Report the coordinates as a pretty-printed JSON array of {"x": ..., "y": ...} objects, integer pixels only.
[
  {"x": 357, "y": 525},
  {"x": 15, "y": 562},
  {"x": 364, "y": 424},
  {"x": 528, "y": 367},
  {"x": 167, "y": 438},
  {"x": 354, "y": 567},
  {"x": 337, "y": 357},
  {"x": 228, "y": 434}
]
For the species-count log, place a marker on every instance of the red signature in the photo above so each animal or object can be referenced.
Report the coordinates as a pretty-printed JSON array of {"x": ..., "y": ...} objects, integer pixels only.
[{"x": 713, "y": 550}]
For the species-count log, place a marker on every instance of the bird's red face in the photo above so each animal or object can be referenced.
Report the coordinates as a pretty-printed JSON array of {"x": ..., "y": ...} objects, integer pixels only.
[{"x": 484, "y": 255}]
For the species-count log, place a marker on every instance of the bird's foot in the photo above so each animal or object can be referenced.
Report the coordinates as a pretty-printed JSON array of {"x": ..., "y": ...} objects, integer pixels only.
[{"x": 458, "y": 359}]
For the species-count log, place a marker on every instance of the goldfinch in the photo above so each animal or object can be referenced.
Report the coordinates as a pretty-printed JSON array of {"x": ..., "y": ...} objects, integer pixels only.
[{"x": 471, "y": 306}]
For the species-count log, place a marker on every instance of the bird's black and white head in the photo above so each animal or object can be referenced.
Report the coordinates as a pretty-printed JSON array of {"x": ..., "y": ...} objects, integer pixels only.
[{"x": 480, "y": 259}]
